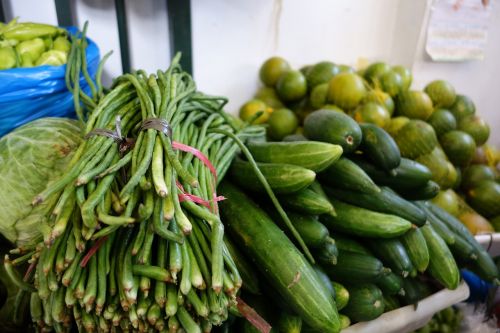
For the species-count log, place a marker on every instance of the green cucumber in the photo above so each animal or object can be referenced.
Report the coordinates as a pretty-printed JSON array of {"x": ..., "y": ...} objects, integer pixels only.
[
  {"x": 296, "y": 282},
  {"x": 358, "y": 221},
  {"x": 438, "y": 225},
  {"x": 380, "y": 147},
  {"x": 426, "y": 192},
  {"x": 283, "y": 178},
  {"x": 391, "y": 302},
  {"x": 345, "y": 321},
  {"x": 312, "y": 155},
  {"x": 341, "y": 295},
  {"x": 307, "y": 201},
  {"x": 294, "y": 137},
  {"x": 247, "y": 272},
  {"x": 409, "y": 174},
  {"x": 442, "y": 266},
  {"x": 390, "y": 284},
  {"x": 462, "y": 250},
  {"x": 345, "y": 174},
  {"x": 366, "y": 302},
  {"x": 326, "y": 281},
  {"x": 328, "y": 253},
  {"x": 393, "y": 254},
  {"x": 313, "y": 232},
  {"x": 333, "y": 127},
  {"x": 384, "y": 201},
  {"x": 416, "y": 247},
  {"x": 345, "y": 243},
  {"x": 289, "y": 323},
  {"x": 412, "y": 291},
  {"x": 355, "y": 268}
]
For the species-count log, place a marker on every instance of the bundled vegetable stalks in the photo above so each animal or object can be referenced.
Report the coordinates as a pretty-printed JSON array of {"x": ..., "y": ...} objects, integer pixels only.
[{"x": 134, "y": 240}]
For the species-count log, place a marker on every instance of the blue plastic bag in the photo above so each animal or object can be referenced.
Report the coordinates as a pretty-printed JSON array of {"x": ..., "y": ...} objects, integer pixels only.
[{"x": 27, "y": 94}]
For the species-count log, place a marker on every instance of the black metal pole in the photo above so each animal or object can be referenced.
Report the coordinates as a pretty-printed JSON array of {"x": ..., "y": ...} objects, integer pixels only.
[
  {"x": 2, "y": 12},
  {"x": 179, "y": 18},
  {"x": 123, "y": 34},
  {"x": 64, "y": 14}
]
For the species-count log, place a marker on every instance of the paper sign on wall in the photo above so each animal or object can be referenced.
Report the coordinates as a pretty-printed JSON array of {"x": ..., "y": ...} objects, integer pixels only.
[{"x": 458, "y": 30}]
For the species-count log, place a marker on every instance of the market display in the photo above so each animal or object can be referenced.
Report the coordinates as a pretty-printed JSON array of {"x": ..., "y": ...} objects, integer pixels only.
[{"x": 336, "y": 196}]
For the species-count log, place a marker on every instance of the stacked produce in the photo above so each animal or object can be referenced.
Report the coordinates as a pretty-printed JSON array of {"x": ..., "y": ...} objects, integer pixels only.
[
  {"x": 365, "y": 215},
  {"x": 436, "y": 127},
  {"x": 447, "y": 320},
  {"x": 131, "y": 238},
  {"x": 28, "y": 44}
]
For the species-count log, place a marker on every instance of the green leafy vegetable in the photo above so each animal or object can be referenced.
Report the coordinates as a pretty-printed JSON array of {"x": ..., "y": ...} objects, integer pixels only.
[{"x": 30, "y": 158}]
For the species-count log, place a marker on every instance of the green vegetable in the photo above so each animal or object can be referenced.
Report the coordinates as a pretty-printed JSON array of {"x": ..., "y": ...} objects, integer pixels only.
[
  {"x": 380, "y": 147},
  {"x": 365, "y": 303},
  {"x": 52, "y": 58},
  {"x": 348, "y": 244},
  {"x": 283, "y": 178},
  {"x": 393, "y": 254},
  {"x": 61, "y": 43},
  {"x": 296, "y": 281},
  {"x": 312, "y": 155},
  {"x": 341, "y": 295},
  {"x": 307, "y": 201},
  {"x": 426, "y": 192},
  {"x": 28, "y": 30},
  {"x": 37, "y": 154},
  {"x": 345, "y": 174},
  {"x": 363, "y": 222},
  {"x": 390, "y": 284},
  {"x": 34, "y": 48},
  {"x": 8, "y": 57},
  {"x": 355, "y": 268},
  {"x": 416, "y": 248}
]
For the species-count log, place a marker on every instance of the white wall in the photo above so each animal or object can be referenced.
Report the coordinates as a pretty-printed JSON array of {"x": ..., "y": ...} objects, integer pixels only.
[{"x": 231, "y": 38}]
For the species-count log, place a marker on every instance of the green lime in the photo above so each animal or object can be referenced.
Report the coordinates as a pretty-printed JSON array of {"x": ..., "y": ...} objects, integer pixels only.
[
  {"x": 476, "y": 127},
  {"x": 405, "y": 74},
  {"x": 462, "y": 107},
  {"x": 458, "y": 146},
  {"x": 320, "y": 73},
  {"x": 250, "y": 109},
  {"x": 281, "y": 123},
  {"x": 395, "y": 124},
  {"x": 441, "y": 93},
  {"x": 373, "y": 113},
  {"x": 346, "y": 69},
  {"x": 306, "y": 69},
  {"x": 476, "y": 173},
  {"x": 332, "y": 107},
  {"x": 392, "y": 83},
  {"x": 346, "y": 90},
  {"x": 380, "y": 97},
  {"x": 269, "y": 96},
  {"x": 271, "y": 70},
  {"x": 414, "y": 104},
  {"x": 443, "y": 121},
  {"x": 291, "y": 86},
  {"x": 373, "y": 72},
  {"x": 447, "y": 200},
  {"x": 317, "y": 98}
]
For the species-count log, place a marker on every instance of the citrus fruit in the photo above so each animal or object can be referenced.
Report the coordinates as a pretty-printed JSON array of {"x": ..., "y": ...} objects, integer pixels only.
[
  {"x": 380, "y": 97},
  {"x": 373, "y": 113},
  {"x": 476, "y": 173},
  {"x": 476, "y": 223},
  {"x": 437, "y": 163},
  {"x": 479, "y": 156},
  {"x": 405, "y": 74},
  {"x": 320, "y": 73},
  {"x": 392, "y": 83},
  {"x": 395, "y": 124},
  {"x": 441, "y": 93},
  {"x": 447, "y": 200},
  {"x": 375, "y": 71},
  {"x": 443, "y": 121},
  {"x": 484, "y": 198},
  {"x": 332, "y": 107},
  {"x": 282, "y": 122},
  {"x": 414, "y": 104},
  {"x": 269, "y": 96},
  {"x": 462, "y": 107},
  {"x": 458, "y": 146},
  {"x": 346, "y": 69},
  {"x": 451, "y": 176},
  {"x": 476, "y": 127},
  {"x": 250, "y": 108},
  {"x": 317, "y": 97},
  {"x": 346, "y": 90},
  {"x": 306, "y": 69},
  {"x": 416, "y": 138},
  {"x": 291, "y": 86},
  {"x": 272, "y": 69}
]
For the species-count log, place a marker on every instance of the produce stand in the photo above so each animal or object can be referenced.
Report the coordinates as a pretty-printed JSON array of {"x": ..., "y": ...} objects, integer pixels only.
[{"x": 408, "y": 319}]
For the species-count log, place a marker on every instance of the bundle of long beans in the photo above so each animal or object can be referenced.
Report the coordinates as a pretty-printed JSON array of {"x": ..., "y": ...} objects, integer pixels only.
[{"x": 134, "y": 241}]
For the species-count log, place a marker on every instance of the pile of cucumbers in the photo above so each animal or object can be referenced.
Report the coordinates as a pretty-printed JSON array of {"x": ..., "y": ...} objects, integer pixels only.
[{"x": 363, "y": 213}]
